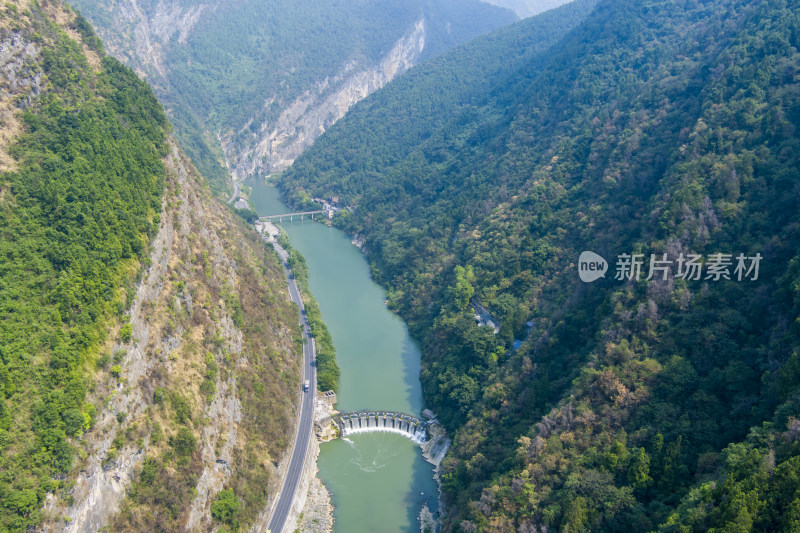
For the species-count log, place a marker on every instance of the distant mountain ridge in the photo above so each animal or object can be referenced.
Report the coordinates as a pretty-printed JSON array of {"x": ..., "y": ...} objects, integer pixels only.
[
  {"x": 527, "y": 8},
  {"x": 249, "y": 85}
]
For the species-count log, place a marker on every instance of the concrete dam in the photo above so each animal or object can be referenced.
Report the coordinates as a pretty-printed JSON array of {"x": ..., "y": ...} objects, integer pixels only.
[
  {"x": 427, "y": 433},
  {"x": 367, "y": 421}
]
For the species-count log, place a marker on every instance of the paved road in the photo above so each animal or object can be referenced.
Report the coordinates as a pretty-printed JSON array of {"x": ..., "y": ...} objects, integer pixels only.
[
  {"x": 236, "y": 191},
  {"x": 306, "y": 423}
]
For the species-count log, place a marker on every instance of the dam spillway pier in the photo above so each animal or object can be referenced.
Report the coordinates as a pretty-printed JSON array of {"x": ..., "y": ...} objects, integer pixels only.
[
  {"x": 367, "y": 421},
  {"x": 429, "y": 434}
]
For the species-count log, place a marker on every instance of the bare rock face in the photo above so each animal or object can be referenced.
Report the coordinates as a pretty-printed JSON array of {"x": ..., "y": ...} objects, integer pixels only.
[
  {"x": 171, "y": 18},
  {"x": 182, "y": 321},
  {"x": 278, "y": 144},
  {"x": 20, "y": 81},
  {"x": 138, "y": 36},
  {"x": 225, "y": 413},
  {"x": 20, "y": 74},
  {"x": 101, "y": 483},
  {"x": 141, "y": 35}
]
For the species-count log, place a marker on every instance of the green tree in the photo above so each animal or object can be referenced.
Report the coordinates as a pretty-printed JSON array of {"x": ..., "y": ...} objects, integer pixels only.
[
  {"x": 22, "y": 502},
  {"x": 184, "y": 443},
  {"x": 576, "y": 516},
  {"x": 226, "y": 507},
  {"x": 674, "y": 471},
  {"x": 639, "y": 471},
  {"x": 125, "y": 332},
  {"x": 463, "y": 289}
]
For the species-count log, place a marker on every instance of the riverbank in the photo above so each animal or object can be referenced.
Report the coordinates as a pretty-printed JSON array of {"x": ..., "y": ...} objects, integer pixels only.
[
  {"x": 434, "y": 450},
  {"x": 317, "y": 512},
  {"x": 317, "y": 515},
  {"x": 377, "y": 481}
]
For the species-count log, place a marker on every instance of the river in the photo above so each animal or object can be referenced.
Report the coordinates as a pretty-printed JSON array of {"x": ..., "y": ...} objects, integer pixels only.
[{"x": 378, "y": 481}]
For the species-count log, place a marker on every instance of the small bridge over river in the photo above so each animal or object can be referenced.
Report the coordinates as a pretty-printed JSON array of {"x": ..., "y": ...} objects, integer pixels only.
[
  {"x": 367, "y": 421},
  {"x": 290, "y": 216}
]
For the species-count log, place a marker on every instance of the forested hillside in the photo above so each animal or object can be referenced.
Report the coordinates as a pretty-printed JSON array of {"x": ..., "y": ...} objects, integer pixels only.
[
  {"x": 144, "y": 331},
  {"x": 237, "y": 68},
  {"x": 626, "y": 404},
  {"x": 78, "y": 207}
]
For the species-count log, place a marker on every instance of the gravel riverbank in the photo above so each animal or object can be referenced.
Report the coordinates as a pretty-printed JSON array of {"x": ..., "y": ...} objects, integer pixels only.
[{"x": 317, "y": 515}]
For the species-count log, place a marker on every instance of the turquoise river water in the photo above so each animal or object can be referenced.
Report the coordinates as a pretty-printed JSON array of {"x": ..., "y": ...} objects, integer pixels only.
[{"x": 378, "y": 481}]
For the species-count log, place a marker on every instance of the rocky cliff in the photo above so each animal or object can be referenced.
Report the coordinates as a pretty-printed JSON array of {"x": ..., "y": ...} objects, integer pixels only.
[
  {"x": 201, "y": 365},
  {"x": 250, "y": 85},
  {"x": 19, "y": 83},
  {"x": 139, "y": 31},
  {"x": 138, "y": 409},
  {"x": 276, "y": 144}
]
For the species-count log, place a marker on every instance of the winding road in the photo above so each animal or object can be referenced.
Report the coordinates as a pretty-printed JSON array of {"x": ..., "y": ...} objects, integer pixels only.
[
  {"x": 306, "y": 422},
  {"x": 236, "y": 190}
]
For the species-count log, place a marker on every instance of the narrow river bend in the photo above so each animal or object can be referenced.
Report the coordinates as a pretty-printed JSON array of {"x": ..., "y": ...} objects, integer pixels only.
[{"x": 378, "y": 481}]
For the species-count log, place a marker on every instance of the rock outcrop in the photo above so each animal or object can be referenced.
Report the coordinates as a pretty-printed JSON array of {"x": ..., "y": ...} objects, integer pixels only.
[
  {"x": 138, "y": 34},
  {"x": 185, "y": 320},
  {"x": 100, "y": 485},
  {"x": 20, "y": 80},
  {"x": 276, "y": 145}
]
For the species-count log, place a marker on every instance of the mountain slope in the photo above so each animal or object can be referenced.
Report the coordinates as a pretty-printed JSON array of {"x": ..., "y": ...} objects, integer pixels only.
[
  {"x": 144, "y": 331},
  {"x": 78, "y": 208},
  {"x": 527, "y": 8},
  {"x": 251, "y": 84},
  {"x": 650, "y": 128}
]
